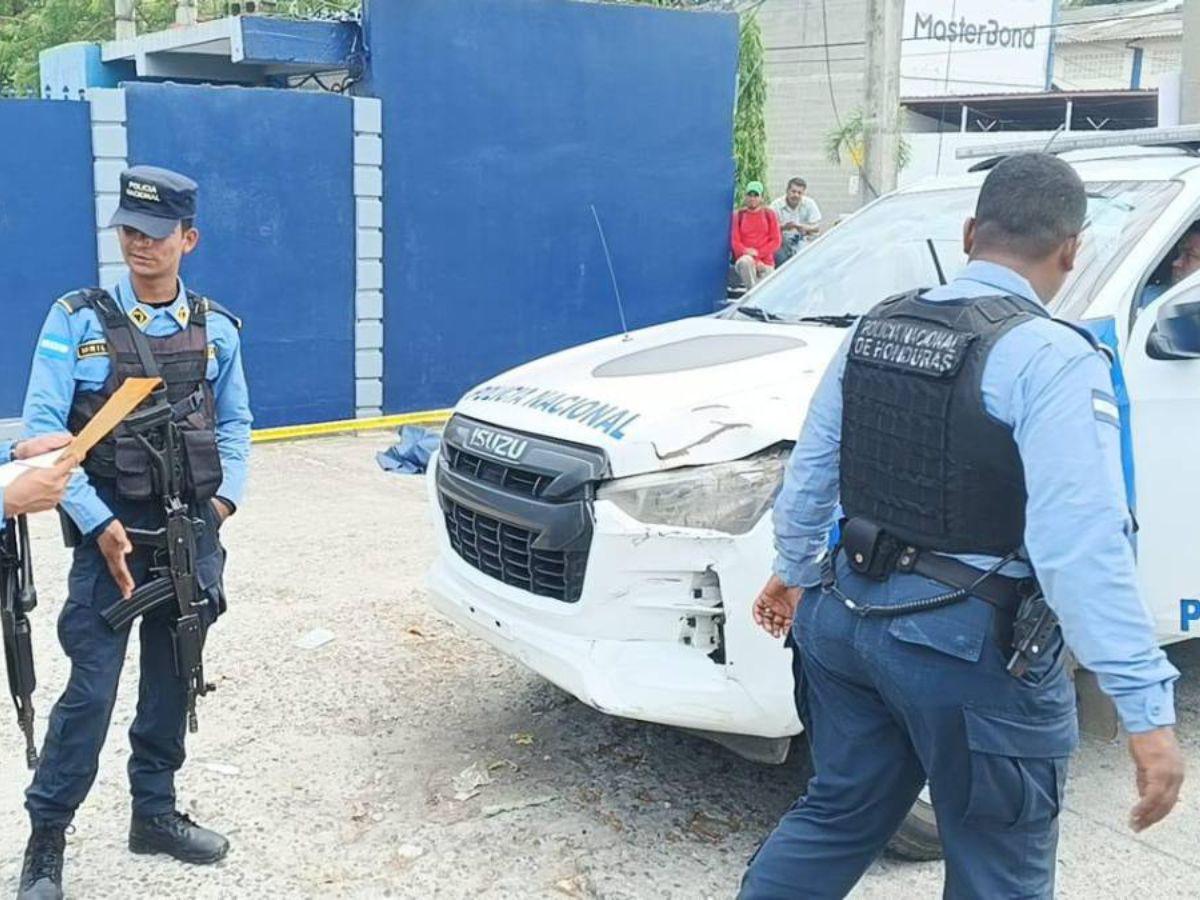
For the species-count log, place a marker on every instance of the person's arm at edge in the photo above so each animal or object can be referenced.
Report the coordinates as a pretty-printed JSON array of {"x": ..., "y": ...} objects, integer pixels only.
[
  {"x": 5, "y": 456},
  {"x": 735, "y": 238},
  {"x": 813, "y": 227},
  {"x": 804, "y": 510},
  {"x": 774, "y": 237}
]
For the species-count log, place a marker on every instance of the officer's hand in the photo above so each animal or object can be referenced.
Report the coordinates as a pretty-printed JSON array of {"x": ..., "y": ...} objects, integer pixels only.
[
  {"x": 38, "y": 489},
  {"x": 1159, "y": 775},
  {"x": 36, "y": 446},
  {"x": 222, "y": 509},
  {"x": 114, "y": 544},
  {"x": 776, "y": 605}
]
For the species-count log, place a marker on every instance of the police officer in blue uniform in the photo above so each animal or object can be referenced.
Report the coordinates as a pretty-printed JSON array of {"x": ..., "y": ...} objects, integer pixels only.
[
  {"x": 91, "y": 342},
  {"x": 974, "y": 446}
]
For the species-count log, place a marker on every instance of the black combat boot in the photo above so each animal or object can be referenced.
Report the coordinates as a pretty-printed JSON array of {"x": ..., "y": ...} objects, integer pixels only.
[
  {"x": 177, "y": 835},
  {"x": 41, "y": 877}
]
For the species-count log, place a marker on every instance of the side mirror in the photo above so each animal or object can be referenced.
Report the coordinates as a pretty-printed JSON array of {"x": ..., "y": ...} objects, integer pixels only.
[{"x": 1176, "y": 332}]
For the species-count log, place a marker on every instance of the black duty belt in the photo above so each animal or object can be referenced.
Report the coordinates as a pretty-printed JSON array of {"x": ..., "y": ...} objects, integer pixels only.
[
  {"x": 875, "y": 554},
  {"x": 1029, "y": 626},
  {"x": 999, "y": 590}
]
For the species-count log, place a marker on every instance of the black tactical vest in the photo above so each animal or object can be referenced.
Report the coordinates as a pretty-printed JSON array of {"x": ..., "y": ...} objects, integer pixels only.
[
  {"x": 920, "y": 456},
  {"x": 182, "y": 362}
]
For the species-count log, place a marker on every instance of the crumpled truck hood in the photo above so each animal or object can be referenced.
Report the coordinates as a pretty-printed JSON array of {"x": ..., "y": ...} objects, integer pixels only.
[{"x": 692, "y": 392}]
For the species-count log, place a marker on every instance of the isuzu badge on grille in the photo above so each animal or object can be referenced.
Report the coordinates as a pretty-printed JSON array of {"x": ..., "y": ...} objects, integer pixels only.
[{"x": 504, "y": 446}]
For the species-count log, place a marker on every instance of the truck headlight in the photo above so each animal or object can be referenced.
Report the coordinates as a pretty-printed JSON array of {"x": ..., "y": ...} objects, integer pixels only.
[{"x": 729, "y": 497}]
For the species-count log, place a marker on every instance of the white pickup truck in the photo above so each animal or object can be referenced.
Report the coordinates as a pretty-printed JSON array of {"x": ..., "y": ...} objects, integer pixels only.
[{"x": 603, "y": 513}]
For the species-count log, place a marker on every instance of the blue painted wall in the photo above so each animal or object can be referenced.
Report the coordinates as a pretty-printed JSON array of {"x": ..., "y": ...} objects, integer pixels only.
[
  {"x": 503, "y": 121},
  {"x": 276, "y": 215},
  {"x": 47, "y": 225}
]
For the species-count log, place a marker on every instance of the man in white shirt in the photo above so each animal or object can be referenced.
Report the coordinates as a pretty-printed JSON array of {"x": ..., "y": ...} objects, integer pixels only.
[{"x": 799, "y": 218}]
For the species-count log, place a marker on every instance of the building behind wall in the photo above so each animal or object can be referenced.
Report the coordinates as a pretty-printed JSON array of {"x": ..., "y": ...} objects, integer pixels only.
[
  {"x": 803, "y": 88},
  {"x": 1110, "y": 57},
  {"x": 1128, "y": 45}
]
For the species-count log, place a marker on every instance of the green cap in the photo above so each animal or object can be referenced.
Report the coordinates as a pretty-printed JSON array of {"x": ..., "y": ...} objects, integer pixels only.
[{"x": 755, "y": 187}]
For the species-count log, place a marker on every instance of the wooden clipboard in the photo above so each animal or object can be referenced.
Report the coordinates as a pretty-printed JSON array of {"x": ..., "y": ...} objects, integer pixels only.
[{"x": 125, "y": 399}]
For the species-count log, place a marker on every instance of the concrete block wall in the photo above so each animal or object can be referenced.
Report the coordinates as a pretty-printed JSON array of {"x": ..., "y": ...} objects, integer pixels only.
[
  {"x": 110, "y": 152},
  {"x": 368, "y": 221},
  {"x": 799, "y": 111}
]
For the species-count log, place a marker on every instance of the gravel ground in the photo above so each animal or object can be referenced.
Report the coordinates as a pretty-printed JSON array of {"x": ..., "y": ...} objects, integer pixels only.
[{"x": 338, "y": 772}]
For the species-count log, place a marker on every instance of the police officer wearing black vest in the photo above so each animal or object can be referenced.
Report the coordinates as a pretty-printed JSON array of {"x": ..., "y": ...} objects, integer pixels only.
[
  {"x": 149, "y": 325},
  {"x": 974, "y": 445}
]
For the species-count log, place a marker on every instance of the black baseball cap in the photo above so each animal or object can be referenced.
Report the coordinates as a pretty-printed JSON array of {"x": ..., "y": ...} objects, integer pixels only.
[{"x": 154, "y": 200}]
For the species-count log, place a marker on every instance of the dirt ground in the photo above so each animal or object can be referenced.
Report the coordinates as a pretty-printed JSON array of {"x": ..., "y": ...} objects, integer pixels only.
[{"x": 354, "y": 769}]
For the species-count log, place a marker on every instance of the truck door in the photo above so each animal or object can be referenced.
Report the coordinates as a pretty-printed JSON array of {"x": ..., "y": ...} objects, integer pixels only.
[{"x": 1164, "y": 399}]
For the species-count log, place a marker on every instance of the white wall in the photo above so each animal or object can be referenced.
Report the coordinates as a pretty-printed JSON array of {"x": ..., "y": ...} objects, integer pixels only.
[
  {"x": 933, "y": 154},
  {"x": 1108, "y": 65}
]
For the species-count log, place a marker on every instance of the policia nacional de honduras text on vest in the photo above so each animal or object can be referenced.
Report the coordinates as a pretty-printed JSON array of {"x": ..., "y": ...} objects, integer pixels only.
[{"x": 925, "y": 470}]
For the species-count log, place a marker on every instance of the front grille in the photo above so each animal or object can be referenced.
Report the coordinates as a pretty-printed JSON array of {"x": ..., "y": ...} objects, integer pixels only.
[
  {"x": 509, "y": 477},
  {"x": 506, "y": 553},
  {"x": 525, "y": 521}
]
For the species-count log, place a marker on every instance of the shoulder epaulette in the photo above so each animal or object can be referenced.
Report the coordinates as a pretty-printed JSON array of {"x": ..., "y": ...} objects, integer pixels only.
[
  {"x": 1094, "y": 342},
  {"x": 204, "y": 305},
  {"x": 76, "y": 300}
]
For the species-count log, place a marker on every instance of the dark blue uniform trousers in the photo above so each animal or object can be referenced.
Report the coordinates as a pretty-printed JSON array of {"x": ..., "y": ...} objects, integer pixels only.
[
  {"x": 79, "y": 721},
  {"x": 890, "y": 703}
]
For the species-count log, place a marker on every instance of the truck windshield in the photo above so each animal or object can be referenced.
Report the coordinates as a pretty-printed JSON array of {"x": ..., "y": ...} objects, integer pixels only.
[{"x": 891, "y": 247}]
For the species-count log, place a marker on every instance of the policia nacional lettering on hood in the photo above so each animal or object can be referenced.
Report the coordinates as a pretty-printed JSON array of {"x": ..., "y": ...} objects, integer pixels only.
[{"x": 606, "y": 417}]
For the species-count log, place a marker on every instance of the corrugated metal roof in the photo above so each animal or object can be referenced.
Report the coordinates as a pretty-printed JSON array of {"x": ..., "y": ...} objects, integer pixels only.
[
  {"x": 1121, "y": 22},
  {"x": 1073, "y": 14},
  {"x": 1026, "y": 96}
]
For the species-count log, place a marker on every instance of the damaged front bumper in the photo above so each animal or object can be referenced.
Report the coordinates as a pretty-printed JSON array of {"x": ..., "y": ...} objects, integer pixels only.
[{"x": 660, "y": 632}]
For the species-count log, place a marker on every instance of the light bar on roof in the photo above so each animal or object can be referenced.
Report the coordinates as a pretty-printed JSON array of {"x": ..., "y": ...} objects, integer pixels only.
[{"x": 1064, "y": 141}]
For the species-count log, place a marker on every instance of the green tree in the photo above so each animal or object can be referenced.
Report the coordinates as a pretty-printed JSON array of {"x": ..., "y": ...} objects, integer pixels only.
[
  {"x": 750, "y": 111},
  {"x": 29, "y": 26}
]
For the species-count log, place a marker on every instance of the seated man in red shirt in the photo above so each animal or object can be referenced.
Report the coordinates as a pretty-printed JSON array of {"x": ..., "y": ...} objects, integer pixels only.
[{"x": 755, "y": 237}]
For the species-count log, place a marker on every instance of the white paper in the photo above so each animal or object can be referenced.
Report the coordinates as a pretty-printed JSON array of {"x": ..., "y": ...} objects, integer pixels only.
[{"x": 10, "y": 472}]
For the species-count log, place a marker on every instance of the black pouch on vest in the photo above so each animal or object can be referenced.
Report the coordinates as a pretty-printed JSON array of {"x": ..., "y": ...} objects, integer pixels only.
[
  {"x": 134, "y": 478},
  {"x": 204, "y": 474},
  {"x": 870, "y": 550}
]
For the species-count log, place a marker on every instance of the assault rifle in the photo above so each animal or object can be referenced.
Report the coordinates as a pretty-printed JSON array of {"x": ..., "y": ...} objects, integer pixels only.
[
  {"x": 174, "y": 551},
  {"x": 18, "y": 597}
]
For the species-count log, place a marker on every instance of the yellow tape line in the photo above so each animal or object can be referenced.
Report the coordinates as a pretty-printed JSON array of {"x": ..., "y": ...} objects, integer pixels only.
[{"x": 348, "y": 426}]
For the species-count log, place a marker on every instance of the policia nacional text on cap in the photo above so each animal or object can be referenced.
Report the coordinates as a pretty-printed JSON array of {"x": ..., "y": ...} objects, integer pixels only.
[{"x": 118, "y": 513}]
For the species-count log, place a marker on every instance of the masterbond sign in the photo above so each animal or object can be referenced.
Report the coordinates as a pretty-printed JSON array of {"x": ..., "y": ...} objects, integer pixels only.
[{"x": 975, "y": 47}]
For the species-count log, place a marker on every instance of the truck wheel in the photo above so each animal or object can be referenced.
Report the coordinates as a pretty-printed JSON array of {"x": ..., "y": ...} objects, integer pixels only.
[{"x": 917, "y": 838}]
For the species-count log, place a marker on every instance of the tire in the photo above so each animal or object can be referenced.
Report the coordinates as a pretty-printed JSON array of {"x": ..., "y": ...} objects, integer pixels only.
[{"x": 917, "y": 838}]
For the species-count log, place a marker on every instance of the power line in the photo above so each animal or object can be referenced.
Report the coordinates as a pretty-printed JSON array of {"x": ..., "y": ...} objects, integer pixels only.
[{"x": 833, "y": 98}]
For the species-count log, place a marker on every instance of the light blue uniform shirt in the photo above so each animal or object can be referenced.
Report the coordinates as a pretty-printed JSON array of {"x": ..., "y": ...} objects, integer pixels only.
[
  {"x": 1055, "y": 391},
  {"x": 60, "y": 368}
]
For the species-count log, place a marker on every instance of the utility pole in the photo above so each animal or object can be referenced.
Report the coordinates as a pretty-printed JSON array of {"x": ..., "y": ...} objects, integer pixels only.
[
  {"x": 126, "y": 23},
  {"x": 1190, "y": 111},
  {"x": 881, "y": 121}
]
